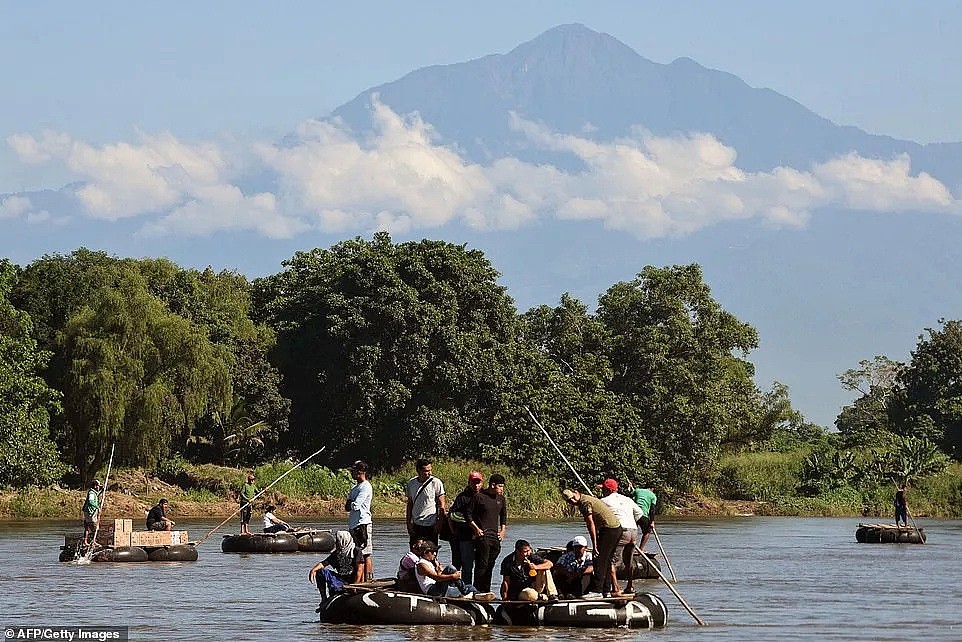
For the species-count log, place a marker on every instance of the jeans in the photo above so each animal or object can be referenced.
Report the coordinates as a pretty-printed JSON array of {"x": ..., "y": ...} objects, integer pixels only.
[
  {"x": 451, "y": 588},
  {"x": 486, "y": 552},
  {"x": 462, "y": 557}
]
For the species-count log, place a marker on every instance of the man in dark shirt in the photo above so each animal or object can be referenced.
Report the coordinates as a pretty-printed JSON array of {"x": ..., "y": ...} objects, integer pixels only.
[
  {"x": 526, "y": 570},
  {"x": 488, "y": 518},
  {"x": 157, "y": 517}
]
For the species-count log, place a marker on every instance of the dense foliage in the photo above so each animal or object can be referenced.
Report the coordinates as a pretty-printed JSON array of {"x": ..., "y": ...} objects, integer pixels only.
[{"x": 392, "y": 351}]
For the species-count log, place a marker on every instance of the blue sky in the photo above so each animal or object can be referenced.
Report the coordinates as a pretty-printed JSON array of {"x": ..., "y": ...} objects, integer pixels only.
[{"x": 101, "y": 72}]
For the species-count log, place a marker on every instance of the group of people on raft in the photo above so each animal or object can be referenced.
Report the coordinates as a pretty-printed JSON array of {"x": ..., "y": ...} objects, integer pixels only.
[{"x": 475, "y": 525}]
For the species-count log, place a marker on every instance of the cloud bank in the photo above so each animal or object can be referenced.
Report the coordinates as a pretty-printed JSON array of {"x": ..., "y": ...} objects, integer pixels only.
[{"x": 403, "y": 178}]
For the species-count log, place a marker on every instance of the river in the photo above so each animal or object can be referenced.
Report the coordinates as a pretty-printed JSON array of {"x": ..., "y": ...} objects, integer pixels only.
[{"x": 752, "y": 578}]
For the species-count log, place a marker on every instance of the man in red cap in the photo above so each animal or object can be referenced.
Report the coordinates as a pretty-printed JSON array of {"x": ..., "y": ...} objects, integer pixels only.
[
  {"x": 462, "y": 537},
  {"x": 627, "y": 512}
]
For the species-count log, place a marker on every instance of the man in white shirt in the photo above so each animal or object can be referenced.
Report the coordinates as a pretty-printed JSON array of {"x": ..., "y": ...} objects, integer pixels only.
[
  {"x": 427, "y": 505},
  {"x": 627, "y": 512},
  {"x": 358, "y": 506}
]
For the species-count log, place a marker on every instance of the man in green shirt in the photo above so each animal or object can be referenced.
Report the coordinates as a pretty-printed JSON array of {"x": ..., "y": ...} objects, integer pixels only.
[
  {"x": 247, "y": 494},
  {"x": 91, "y": 512},
  {"x": 646, "y": 500}
]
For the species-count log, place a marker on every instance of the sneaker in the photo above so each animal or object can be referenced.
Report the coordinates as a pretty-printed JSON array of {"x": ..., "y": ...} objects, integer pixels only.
[
  {"x": 484, "y": 597},
  {"x": 553, "y": 597},
  {"x": 468, "y": 596},
  {"x": 594, "y": 595}
]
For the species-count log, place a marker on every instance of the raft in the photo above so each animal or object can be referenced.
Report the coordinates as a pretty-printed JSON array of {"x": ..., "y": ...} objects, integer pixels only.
[
  {"x": 889, "y": 534},
  {"x": 260, "y": 543},
  {"x": 176, "y": 553},
  {"x": 390, "y": 607},
  {"x": 315, "y": 541},
  {"x": 643, "y": 611}
]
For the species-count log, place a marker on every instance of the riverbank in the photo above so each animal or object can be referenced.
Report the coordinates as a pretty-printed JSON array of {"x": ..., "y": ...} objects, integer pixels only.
[
  {"x": 60, "y": 503},
  {"x": 208, "y": 490}
]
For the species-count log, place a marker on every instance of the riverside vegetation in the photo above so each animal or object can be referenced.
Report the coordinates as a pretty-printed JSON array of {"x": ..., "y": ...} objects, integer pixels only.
[{"x": 390, "y": 352}]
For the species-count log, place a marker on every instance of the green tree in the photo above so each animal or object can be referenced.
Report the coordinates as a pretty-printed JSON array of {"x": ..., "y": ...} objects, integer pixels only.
[
  {"x": 27, "y": 454},
  {"x": 672, "y": 352},
  {"x": 138, "y": 375},
  {"x": 927, "y": 401},
  {"x": 866, "y": 421},
  {"x": 388, "y": 350}
]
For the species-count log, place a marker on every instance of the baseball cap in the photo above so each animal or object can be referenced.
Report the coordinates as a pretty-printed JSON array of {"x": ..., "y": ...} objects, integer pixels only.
[
  {"x": 475, "y": 475},
  {"x": 579, "y": 541},
  {"x": 611, "y": 485},
  {"x": 96, "y": 482},
  {"x": 568, "y": 494}
]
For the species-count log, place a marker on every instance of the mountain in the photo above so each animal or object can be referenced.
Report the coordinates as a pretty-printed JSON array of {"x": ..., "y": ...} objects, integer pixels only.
[{"x": 571, "y": 76}]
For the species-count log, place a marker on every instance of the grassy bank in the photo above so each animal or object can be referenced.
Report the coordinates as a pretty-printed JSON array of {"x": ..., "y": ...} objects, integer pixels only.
[{"x": 752, "y": 484}]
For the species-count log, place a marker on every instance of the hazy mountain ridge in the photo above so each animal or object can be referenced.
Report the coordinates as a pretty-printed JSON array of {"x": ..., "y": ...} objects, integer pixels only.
[{"x": 571, "y": 76}]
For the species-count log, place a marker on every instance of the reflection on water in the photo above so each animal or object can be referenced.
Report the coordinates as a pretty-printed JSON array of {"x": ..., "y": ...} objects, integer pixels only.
[{"x": 759, "y": 579}]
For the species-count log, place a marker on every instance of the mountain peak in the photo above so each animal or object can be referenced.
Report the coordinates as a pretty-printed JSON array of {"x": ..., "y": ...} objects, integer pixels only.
[{"x": 575, "y": 39}]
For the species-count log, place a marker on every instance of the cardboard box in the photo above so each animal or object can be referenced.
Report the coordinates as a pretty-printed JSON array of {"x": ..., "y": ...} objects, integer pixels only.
[
  {"x": 158, "y": 538},
  {"x": 123, "y": 525},
  {"x": 121, "y": 538}
]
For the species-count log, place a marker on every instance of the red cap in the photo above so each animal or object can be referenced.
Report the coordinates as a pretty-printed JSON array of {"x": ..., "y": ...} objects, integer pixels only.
[
  {"x": 475, "y": 475},
  {"x": 611, "y": 485}
]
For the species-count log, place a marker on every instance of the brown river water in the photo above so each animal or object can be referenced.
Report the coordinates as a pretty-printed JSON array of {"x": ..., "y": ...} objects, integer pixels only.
[{"x": 751, "y": 578}]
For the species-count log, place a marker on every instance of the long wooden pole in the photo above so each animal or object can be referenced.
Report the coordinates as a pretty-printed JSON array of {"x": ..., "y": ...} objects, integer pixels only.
[
  {"x": 100, "y": 511},
  {"x": 551, "y": 441},
  {"x": 664, "y": 554},
  {"x": 266, "y": 488},
  {"x": 671, "y": 588},
  {"x": 645, "y": 557}
]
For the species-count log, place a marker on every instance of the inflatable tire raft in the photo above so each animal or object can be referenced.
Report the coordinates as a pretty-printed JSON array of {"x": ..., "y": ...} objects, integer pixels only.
[
  {"x": 388, "y": 607},
  {"x": 176, "y": 553},
  {"x": 888, "y": 534},
  {"x": 259, "y": 543},
  {"x": 640, "y": 613},
  {"x": 315, "y": 541},
  {"x": 121, "y": 554}
]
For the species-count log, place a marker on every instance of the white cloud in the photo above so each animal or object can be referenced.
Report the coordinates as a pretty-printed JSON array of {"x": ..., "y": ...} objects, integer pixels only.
[
  {"x": 403, "y": 178},
  {"x": 13, "y": 206}
]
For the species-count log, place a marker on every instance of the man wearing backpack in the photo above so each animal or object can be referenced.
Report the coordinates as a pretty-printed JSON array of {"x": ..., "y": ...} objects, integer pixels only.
[{"x": 427, "y": 505}]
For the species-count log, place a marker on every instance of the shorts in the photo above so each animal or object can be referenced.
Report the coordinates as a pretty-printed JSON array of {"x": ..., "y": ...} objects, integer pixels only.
[
  {"x": 362, "y": 535},
  {"x": 157, "y": 526},
  {"x": 644, "y": 525},
  {"x": 626, "y": 546},
  {"x": 245, "y": 514}
]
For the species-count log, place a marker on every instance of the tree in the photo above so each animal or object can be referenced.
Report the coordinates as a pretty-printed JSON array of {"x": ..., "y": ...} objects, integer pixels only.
[
  {"x": 927, "y": 401},
  {"x": 866, "y": 420},
  {"x": 138, "y": 375},
  {"x": 27, "y": 454},
  {"x": 672, "y": 352},
  {"x": 391, "y": 350}
]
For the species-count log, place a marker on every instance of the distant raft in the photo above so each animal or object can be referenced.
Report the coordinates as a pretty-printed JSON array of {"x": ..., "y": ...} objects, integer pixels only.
[
  {"x": 291, "y": 542},
  {"x": 315, "y": 541},
  {"x": 260, "y": 543},
  {"x": 390, "y": 607},
  {"x": 643, "y": 611},
  {"x": 889, "y": 534},
  {"x": 175, "y": 553}
]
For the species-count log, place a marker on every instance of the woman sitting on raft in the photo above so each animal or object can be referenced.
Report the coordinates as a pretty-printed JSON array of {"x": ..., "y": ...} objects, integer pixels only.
[
  {"x": 271, "y": 523},
  {"x": 446, "y": 582},
  {"x": 331, "y": 574},
  {"x": 407, "y": 569}
]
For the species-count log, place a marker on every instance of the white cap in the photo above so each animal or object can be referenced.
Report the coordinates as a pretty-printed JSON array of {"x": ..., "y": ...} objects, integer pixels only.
[{"x": 579, "y": 541}]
